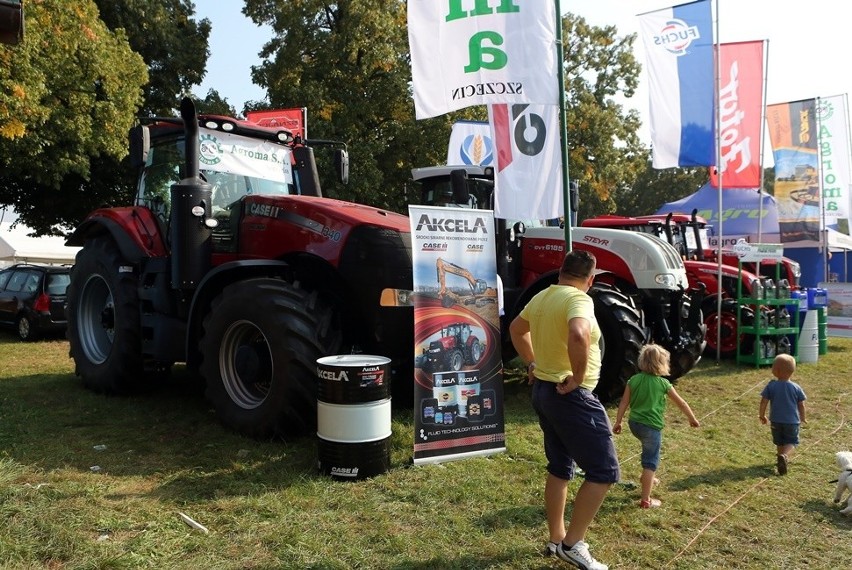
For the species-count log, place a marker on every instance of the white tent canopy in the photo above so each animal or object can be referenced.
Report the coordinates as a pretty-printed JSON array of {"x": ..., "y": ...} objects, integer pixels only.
[{"x": 17, "y": 246}]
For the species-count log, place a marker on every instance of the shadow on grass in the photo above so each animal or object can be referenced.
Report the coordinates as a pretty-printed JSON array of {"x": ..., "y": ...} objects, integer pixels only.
[
  {"x": 721, "y": 476},
  {"x": 826, "y": 511}
]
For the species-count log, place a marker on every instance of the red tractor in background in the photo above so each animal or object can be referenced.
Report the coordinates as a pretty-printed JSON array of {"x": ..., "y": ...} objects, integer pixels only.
[
  {"x": 232, "y": 262},
  {"x": 641, "y": 292},
  {"x": 688, "y": 234}
]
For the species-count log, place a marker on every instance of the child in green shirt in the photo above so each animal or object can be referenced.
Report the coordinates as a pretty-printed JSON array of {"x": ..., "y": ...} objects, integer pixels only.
[{"x": 645, "y": 394}]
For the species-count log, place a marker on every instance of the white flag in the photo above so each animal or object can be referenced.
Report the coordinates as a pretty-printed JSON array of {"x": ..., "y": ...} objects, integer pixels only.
[
  {"x": 478, "y": 52},
  {"x": 471, "y": 144},
  {"x": 834, "y": 154},
  {"x": 528, "y": 183}
]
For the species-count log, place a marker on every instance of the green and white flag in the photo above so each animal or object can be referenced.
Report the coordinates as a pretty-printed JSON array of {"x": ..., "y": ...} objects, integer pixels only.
[{"x": 478, "y": 52}]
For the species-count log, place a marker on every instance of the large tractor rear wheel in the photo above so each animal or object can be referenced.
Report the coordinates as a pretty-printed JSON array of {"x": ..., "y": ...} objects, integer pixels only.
[
  {"x": 259, "y": 347},
  {"x": 622, "y": 337},
  {"x": 104, "y": 320}
]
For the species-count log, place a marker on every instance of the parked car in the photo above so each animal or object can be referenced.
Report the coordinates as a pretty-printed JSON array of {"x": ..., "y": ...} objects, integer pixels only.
[{"x": 32, "y": 299}]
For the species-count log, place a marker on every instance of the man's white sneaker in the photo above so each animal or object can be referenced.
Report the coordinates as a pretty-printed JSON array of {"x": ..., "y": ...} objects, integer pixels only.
[{"x": 579, "y": 556}]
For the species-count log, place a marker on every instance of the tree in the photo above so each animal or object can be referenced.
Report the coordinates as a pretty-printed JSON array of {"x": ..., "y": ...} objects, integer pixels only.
[
  {"x": 68, "y": 95},
  {"x": 173, "y": 45},
  {"x": 654, "y": 187},
  {"x": 605, "y": 154}
]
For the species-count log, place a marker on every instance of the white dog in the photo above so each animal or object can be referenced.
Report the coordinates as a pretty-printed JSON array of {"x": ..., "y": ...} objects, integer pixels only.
[{"x": 844, "y": 480}]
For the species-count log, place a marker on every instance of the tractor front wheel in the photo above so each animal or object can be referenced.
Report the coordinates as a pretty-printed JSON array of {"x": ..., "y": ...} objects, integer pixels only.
[{"x": 259, "y": 346}]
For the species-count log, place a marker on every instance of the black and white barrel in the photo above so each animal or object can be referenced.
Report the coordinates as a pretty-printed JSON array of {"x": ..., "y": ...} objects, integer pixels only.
[{"x": 353, "y": 415}]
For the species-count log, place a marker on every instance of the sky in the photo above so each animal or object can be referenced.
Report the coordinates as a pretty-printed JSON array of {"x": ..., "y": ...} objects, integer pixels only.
[{"x": 809, "y": 45}]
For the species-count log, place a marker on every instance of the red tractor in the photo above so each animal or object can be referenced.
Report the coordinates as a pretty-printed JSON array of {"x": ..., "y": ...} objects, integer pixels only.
[
  {"x": 232, "y": 262},
  {"x": 641, "y": 292},
  {"x": 455, "y": 347},
  {"x": 688, "y": 234}
]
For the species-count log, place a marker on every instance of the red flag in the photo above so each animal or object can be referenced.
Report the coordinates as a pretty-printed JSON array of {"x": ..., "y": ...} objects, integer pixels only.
[{"x": 741, "y": 104}]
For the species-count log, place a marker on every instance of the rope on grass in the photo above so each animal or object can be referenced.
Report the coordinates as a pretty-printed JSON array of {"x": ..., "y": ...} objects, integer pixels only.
[
  {"x": 755, "y": 486},
  {"x": 707, "y": 415}
]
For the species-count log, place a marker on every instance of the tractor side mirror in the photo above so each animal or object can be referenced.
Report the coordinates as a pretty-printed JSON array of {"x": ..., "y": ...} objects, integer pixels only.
[
  {"x": 458, "y": 181},
  {"x": 11, "y": 22},
  {"x": 341, "y": 165}
]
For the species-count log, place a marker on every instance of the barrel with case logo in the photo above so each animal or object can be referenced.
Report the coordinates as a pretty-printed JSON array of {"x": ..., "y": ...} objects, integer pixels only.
[{"x": 353, "y": 416}]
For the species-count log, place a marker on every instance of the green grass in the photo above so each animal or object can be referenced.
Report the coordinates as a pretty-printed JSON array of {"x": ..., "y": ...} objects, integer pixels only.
[{"x": 267, "y": 507}]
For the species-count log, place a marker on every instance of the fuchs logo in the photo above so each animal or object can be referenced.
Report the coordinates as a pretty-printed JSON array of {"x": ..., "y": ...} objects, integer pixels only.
[
  {"x": 676, "y": 36},
  {"x": 477, "y": 150},
  {"x": 209, "y": 149},
  {"x": 331, "y": 375},
  {"x": 434, "y": 247},
  {"x": 450, "y": 225}
]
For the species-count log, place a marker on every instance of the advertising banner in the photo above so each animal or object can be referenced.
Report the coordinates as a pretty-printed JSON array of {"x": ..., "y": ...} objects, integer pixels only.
[
  {"x": 471, "y": 144},
  {"x": 458, "y": 390},
  {"x": 528, "y": 182},
  {"x": 225, "y": 152},
  {"x": 679, "y": 55},
  {"x": 475, "y": 52},
  {"x": 793, "y": 134},
  {"x": 834, "y": 158},
  {"x": 741, "y": 105}
]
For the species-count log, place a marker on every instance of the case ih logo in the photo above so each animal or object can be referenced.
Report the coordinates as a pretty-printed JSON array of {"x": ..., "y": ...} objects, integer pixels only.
[
  {"x": 210, "y": 150},
  {"x": 676, "y": 36},
  {"x": 434, "y": 247}
]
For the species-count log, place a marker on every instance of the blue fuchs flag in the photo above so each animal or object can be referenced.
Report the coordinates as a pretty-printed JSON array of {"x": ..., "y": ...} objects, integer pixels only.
[{"x": 679, "y": 51}]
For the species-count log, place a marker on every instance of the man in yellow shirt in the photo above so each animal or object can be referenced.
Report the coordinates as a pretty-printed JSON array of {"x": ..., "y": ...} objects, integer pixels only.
[{"x": 557, "y": 333}]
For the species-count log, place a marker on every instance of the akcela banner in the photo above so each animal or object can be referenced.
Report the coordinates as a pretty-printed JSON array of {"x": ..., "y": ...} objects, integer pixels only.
[
  {"x": 741, "y": 109},
  {"x": 679, "y": 53},
  {"x": 834, "y": 158},
  {"x": 478, "y": 52},
  {"x": 794, "y": 136},
  {"x": 528, "y": 181},
  {"x": 458, "y": 374}
]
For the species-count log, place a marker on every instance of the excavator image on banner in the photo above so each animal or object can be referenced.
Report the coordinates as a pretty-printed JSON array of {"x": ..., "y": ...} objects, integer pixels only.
[{"x": 480, "y": 293}]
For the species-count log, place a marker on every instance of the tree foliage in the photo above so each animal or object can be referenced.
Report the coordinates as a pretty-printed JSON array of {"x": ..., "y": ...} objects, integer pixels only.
[
  {"x": 173, "y": 45},
  {"x": 605, "y": 154},
  {"x": 654, "y": 187},
  {"x": 68, "y": 94},
  {"x": 94, "y": 46}
]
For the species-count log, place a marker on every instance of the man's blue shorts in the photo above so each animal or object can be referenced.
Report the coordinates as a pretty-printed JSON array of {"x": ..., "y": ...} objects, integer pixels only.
[
  {"x": 576, "y": 430},
  {"x": 651, "y": 439},
  {"x": 785, "y": 434}
]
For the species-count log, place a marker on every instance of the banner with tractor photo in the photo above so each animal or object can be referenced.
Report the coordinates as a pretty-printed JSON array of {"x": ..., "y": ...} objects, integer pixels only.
[{"x": 458, "y": 389}]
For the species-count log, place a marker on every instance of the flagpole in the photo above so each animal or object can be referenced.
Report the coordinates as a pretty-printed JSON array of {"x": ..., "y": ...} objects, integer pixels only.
[
  {"x": 762, "y": 141},
  {"x": 563, "y": 127},
  {"x": 719, "y": 169},
  {"x": 823, "y": 228}
]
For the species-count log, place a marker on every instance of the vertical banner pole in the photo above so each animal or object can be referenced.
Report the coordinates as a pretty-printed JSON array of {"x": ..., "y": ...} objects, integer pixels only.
[
  {"x": 717, "y": 85},
  {"x": 563, "y": 127},
  {"x": 762, "y": 140}
]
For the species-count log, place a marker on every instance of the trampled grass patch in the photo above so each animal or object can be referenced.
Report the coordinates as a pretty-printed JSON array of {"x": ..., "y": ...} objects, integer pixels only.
[{"x": 88, "y": 481}]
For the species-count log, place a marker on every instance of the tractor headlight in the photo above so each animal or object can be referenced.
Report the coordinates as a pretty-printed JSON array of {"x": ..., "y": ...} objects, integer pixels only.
[{"x": 666, "y": 280}]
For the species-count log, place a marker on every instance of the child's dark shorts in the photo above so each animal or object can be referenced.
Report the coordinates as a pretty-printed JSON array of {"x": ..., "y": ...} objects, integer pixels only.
[{"x": 785, "y": 434}]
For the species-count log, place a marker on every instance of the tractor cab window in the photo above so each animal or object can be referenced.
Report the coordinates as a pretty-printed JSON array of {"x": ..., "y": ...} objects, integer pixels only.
[{"x": 230, "y": 180}]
